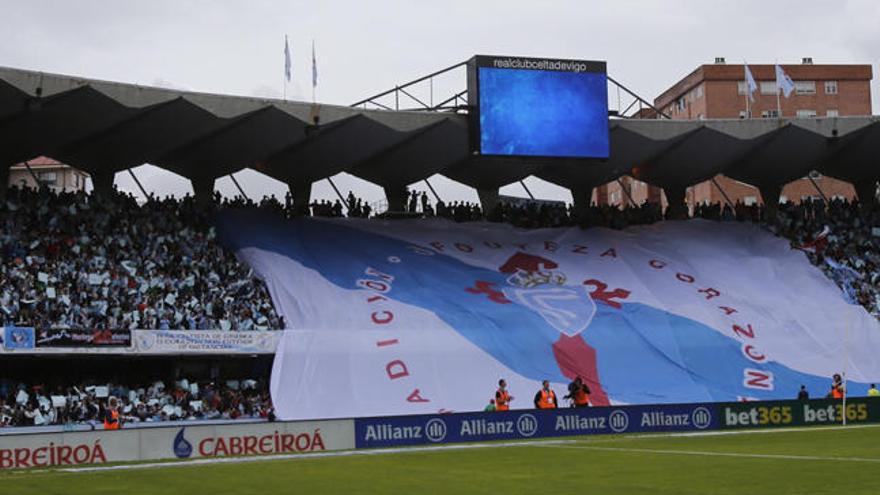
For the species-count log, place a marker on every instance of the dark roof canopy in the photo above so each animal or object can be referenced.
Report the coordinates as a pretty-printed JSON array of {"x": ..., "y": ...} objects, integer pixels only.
[{"x": 105, "y": 127}]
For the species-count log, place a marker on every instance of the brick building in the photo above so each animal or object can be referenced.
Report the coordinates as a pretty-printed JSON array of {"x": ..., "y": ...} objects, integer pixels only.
[
  {"x": 51, "y": 173},
  {"x": 718, "y": 91}
]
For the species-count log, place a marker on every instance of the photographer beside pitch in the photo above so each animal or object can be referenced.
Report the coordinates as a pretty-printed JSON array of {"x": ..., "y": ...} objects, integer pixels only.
[{"x": 578, "y": 393}]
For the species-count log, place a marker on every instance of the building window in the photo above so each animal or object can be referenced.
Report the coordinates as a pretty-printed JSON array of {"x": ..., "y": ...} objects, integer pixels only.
[
  {"x": 805, "y": 87},
  {"x": 770, "y": 114},
  {"x": 832, "y": 113},
  {"x": 750, "y": 200},
  {"x": 700, "y": 91},
  {"x": 743, "y": 114},
  {"x": 783, "y": 199},
  {"x": 806, "y": 114},
  {"x": 741, "y": 88},
  {"x": 48, "y": 178},
  {"x": 768, "y": 87},
  {"x": 830, "y": 87}
]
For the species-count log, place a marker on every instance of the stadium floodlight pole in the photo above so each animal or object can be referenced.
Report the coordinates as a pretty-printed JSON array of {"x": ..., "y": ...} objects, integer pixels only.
[{"x": 652, "y": 107}]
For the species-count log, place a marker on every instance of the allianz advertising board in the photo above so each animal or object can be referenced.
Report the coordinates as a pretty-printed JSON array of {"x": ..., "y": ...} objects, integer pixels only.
[{"x": 472, "y": 427}]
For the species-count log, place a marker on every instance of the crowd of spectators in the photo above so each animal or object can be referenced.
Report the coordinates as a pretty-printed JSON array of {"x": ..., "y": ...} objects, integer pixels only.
[
  {"x": 71, "y": 260},
  {"x": 40, "y": 405}
]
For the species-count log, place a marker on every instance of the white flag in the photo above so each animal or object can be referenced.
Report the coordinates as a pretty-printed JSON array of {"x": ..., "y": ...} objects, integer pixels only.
[
  {"x": 287, "y": 67},
  {"x": 751, "y": 85},
  {"x": 783, "y": 82},
  {"x": 314, "y": 66}
]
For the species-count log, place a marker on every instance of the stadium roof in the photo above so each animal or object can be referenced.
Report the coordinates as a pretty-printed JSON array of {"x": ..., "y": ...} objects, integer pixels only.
[{"x": 105, "y": 127}]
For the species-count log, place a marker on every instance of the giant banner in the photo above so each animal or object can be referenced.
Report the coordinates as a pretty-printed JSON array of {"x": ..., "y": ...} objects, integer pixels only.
[{"x": 424, "y": 316}]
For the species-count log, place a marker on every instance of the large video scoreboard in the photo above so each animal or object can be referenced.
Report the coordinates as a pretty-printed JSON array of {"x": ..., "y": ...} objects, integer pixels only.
[{"x": 532, "y": 107}]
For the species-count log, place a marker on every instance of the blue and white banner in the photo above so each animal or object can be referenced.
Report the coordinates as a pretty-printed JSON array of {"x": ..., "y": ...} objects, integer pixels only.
[
  {"x": 424, "y": 316},
  {"x": 472, "y": 427}
]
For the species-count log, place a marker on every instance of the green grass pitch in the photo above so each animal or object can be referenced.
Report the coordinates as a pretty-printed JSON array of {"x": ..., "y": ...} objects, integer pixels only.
[{"x": 843, "y": 461}]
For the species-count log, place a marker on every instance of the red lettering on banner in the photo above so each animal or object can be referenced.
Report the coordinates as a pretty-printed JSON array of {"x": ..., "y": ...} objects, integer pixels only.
[
  {"x": 464, "y": 248},
  {"x": 416, "y": 396},
  {"x": 376, "y": 298},
  {"x": 710, "y": 293},
  {"x": 382, "y": 321},
  {"x": 398, "y": 365},
  {"x": 39, "y": 456},
  {"x": 377, "y": 273},
  {"x": 685, "y": 278},
  {"x": 235, "y": 445},
  {"x": 746, "y": 332},
  {"x": 578, "y": 249},
  {"x": 436, "y": 245},
  {"x": 482, "y": 287},
  {"x": 383, "y": 343},
  {"x": 64, "y": 452},
  {"x": 204, "y": 450},
  {"x": 287, "y": 442},
  {"x": 601, "y": 294},
  {"x": 6, "y": 461},
  {"x": 750, "y": 352},
  {"x": 757, "y": 379},
  {"x": 21, "y": 458},
  {"x": 727, "y": 311},
  {"x": 550, "y": 246},
  {"x": 250, "y": 445},
  {"x": 657, "y": 264},
  {"x": 375, "y": 285},
  {"x": 266, "y": 444},
  {"x": 303, "y": 442},
  {"x": 609, "y": 252}
]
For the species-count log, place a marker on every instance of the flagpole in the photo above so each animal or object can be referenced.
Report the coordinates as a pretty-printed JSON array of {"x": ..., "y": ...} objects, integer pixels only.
[
  {"x": 314, "y": 70},
  {"x": 778, "y": 88},
  {"x": 284, "y": 75},
  {"x": 748, "y": 91}
]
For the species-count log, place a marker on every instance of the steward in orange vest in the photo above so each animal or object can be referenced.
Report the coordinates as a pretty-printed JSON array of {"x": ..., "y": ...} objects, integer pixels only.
[
  {"x": 837, "y": 387},
  {"x": 502, "y": 397},
  {"x": 111, "y": 417},
  {"x": 545, "y": 398}
]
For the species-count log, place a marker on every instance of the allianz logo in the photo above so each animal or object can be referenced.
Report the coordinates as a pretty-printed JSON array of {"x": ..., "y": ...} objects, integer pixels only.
[
  {"x": 617, "y": 421},
  {"x": 434, "y": 430},
  {"x": 699, "y": 418}
]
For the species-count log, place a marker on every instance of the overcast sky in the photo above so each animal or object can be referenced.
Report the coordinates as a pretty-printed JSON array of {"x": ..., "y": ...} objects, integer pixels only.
[{"x": 364, "y": 47}]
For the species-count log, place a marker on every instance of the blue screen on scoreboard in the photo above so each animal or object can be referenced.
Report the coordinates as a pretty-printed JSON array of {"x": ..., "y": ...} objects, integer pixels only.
[{"x": 543, "y": 113}]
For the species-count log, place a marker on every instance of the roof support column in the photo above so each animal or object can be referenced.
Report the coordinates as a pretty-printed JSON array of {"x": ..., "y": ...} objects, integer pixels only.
[
  {"x": 396, "y": 196},
  {"x": 770, "y": 195},
  {"x": 677, "y": 209},
  {"x": 581, "y": 196},
  {"x": 203, "y": 189},
  {"x": 4, "y": 179},
  {"x": 866, "y": 190},
  {"x": 102, "y": 183},
  {"x": 302, "y": 196},
  {"x": 489, "y": 199}
]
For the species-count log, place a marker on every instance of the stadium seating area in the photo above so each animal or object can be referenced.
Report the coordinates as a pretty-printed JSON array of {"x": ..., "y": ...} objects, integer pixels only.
[
  {"x": 83, "y": 403},
  {"x": 71, "y": 260}
]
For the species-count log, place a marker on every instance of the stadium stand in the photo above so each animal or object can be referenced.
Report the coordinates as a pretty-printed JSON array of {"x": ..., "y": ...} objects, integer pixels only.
[
  {"x": 83, "y": 403},
  {"x": 72, "y": 260}
]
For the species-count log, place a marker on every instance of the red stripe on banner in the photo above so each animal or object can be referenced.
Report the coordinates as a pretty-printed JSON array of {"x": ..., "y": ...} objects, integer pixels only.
[{"x": 577, "y": 359}]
